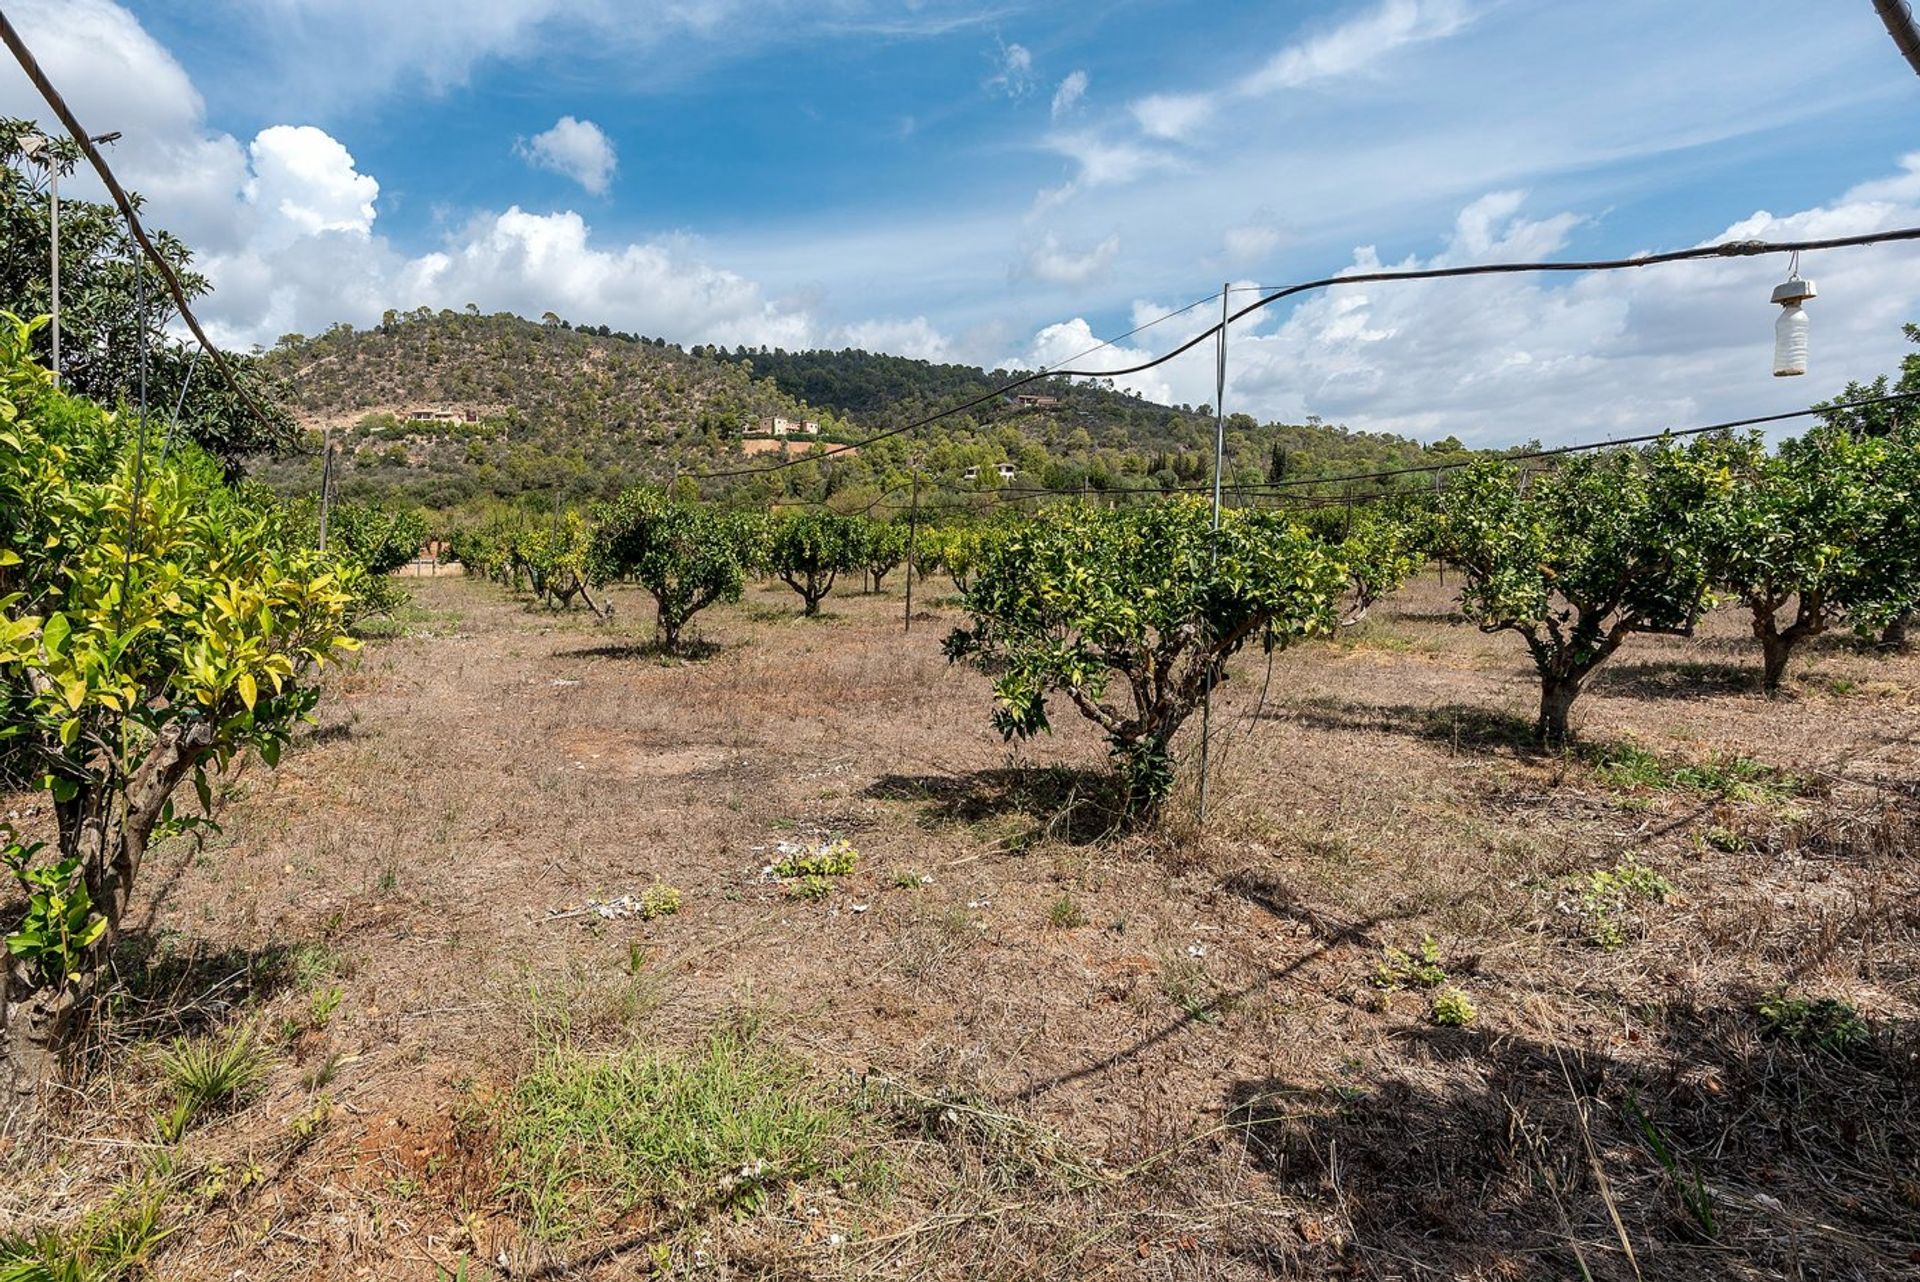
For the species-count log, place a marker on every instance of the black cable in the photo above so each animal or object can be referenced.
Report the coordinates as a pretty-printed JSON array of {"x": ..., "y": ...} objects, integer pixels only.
[
  {"x": 1726, "y": 249},
  {"x": 1049, "y": 372},
  {"x": 1015, "y": 494}
]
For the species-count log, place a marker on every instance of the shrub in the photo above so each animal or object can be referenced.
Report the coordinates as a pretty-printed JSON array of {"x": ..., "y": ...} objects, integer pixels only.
[
  {"x": 808, "y": 551},
  {"x": 1587, "y": 554},
  {"x": 129, "y": 666},
  {"x": 686, "y": 555},
  {"x": 1149, "y": 598}
]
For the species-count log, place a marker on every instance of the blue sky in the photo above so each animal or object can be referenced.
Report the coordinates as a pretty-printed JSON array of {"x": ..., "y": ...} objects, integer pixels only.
[{"x": 1003, "y": 183}]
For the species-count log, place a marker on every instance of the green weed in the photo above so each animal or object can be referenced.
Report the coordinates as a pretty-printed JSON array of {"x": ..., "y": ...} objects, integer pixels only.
[
  {"x": 1451, "y": 1009},
  {"x": 1065, "y": 914},
  {"x": 585, "y": 1139},
  {"x": 209, "y": 1074},
  {"x": 1399, "y": 970},
  {"x": 1607, "y": 898},
  {"x": 108, "y": 1245},
  {"x": 1824, "y": 1023},
  {"x": 659, "y": 900},
  {"x": 834, "y": 858},
  {"x": 1629, "y": 767},
  {"x": 809, "y": 888}
]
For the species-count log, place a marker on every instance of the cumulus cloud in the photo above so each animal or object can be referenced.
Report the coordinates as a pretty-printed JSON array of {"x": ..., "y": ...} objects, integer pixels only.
[
  {"x": 304, "y": 183},
  {"x": 1055, "y": 264},
  {"x": 576, "y": 149},
  {"x": 287, "y": 225},
  {"x": 1068, "y": 95},
  {"x": 1501, "y": 359}
]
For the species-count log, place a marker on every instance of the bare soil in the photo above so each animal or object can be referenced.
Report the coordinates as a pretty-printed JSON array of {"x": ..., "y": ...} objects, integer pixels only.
[{"x": 1202, "y": 1031}]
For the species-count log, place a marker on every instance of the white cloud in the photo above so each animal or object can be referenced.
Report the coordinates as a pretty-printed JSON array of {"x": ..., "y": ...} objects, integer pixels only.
[
  {"x": 312, "y": 57},
  {"x": 1351, "y": 49},
  {"x": 1051, "y": 262},
  {"x": 304, "y": 183},
  {"x": 1014, "y": 76},
  {"x": 1250, "y": 243},
  {"x": 576, "y": 149},
  {"x": 1501, "y": 359},
  {"x": 1172, "y": 115},
  {"x": 916, "y": 338},
  {"x": 1068, "y": 95},
  {"x": 1355, "y": 46}
]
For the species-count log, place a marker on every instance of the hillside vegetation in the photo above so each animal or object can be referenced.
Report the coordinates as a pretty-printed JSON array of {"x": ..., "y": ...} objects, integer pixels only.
[{"x": 573, "y": 413}]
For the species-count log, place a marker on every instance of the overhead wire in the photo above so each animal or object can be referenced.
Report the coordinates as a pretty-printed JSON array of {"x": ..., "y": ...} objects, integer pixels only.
[
  {"x": 1014, "y": 493},
  {"x": 1275, "y": 294},
  {"x": 1053, "y": 371}
]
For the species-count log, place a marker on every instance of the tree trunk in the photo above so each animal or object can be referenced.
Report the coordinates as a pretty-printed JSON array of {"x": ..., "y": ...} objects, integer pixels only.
[
  {"x": 1556, "y": 703},
  {"x": 1894, "y": 635},
  {"x": 670, "y": 636},
  {"x": 39, "y": 1025},
  {"x": 813, "y": 604},
  {"x": 1775, "y": 650}
]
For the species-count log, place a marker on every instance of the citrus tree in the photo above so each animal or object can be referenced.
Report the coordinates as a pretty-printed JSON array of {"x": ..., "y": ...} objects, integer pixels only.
[
  {"x": 1579, "y": 558},
  {"x": 1145, "y": 600},
  {"x": 1382, "y": 549},
  {"x": 1799, "y": 532},
  {"x": 686, "y": 555},
  {"x": 810, "y": 549},
  {"x": 881, "y": 547},
  {"x": 149, "y": 633}
]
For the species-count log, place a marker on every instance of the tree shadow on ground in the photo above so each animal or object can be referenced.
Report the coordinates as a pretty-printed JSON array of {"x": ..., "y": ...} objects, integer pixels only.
[
  {"x": 1065, "y": 803},
  {"x": 1464, "y": 727},
  {"x": 1717, "y": 1150},
  {"x": 1676, "y": 679},
  {"x": 690, "y": 651},
  {"x": 164, "y": 987}
]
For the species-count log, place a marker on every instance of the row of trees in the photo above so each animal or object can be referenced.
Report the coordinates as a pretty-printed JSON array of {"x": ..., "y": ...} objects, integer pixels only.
[
  {"x": 689, "y": 555},
  {"x": 1152, "y": 601},
  {"x": 155, "y": 622}
]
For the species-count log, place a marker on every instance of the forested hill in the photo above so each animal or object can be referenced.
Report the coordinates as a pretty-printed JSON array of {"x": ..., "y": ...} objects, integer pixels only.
[
  {"x": 534, "y": 375},
  {"x": 449, "y": 407}
]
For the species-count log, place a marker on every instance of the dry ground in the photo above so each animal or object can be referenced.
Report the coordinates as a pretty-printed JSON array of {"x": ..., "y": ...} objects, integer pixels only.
[{"x": 1141, "y": 1057}]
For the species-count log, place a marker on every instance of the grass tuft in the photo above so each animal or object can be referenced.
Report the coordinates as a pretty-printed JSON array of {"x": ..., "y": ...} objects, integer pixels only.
[
  {"x": 209, "y": 1074},
  {"x": 587, "y": 1139}
]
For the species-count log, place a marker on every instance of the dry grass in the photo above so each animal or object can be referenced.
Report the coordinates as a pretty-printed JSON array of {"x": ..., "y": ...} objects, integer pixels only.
[{"x": 1187, "y": 1073}]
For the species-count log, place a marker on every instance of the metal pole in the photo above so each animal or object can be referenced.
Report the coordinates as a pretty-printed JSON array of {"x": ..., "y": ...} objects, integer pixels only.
[
  {"x": 326, "y": 480},
  {"x": 54, "y": 189},
  {"x": 1219, "y": 461},
  {"x": 913, "y": 544}
]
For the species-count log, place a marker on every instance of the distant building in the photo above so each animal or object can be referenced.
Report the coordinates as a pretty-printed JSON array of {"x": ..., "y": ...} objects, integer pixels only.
[
  {"x": 1029, "y": 400},
  {"x": 1006, "y": 471},
  {"x": 774, "y": 425},
  {"x": 443, "y": 416}
]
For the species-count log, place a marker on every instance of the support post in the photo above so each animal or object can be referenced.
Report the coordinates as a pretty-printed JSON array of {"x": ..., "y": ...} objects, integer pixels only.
[
  {"x": 1219, "y": 461},
  {"x": 326, "y": 481},
  {"x": 913, "y": 546}
]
